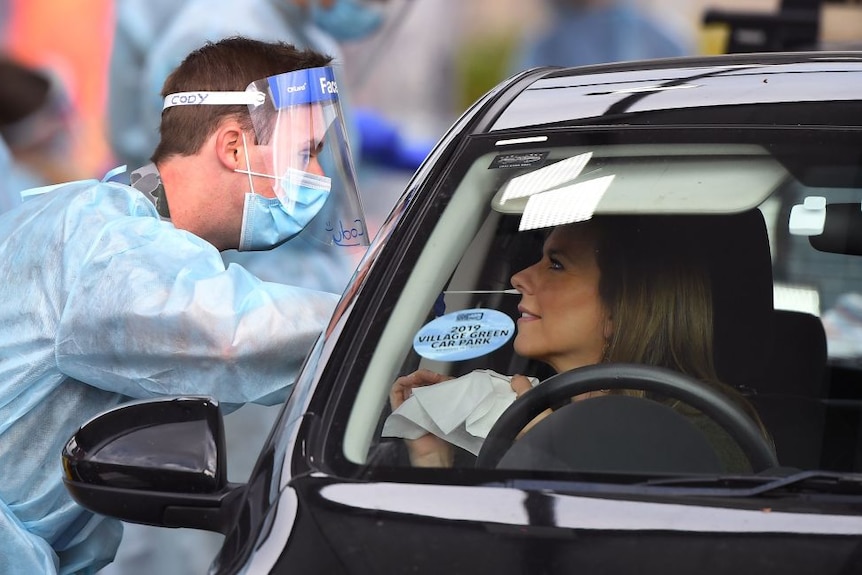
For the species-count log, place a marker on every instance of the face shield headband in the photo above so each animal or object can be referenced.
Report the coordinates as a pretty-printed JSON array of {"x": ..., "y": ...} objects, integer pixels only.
[{"x": 300, "y": 140}]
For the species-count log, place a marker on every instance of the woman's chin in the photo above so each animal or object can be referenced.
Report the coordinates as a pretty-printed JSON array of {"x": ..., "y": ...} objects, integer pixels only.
[
  {"x": 524, "y": 349},
  {"x": 521, "y": 349}
]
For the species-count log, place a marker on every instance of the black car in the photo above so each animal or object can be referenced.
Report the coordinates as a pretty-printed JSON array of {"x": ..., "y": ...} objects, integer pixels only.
[{"x": 743, "y": 172}]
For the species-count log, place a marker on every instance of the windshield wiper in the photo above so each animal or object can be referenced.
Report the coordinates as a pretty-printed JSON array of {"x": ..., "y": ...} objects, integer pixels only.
[
  {"x": 733, "y": 486},
  {"x": 828, "y": 482}
]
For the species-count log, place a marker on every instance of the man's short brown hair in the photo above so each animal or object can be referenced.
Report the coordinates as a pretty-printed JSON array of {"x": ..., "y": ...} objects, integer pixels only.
[{"x": 227, "y": 65}]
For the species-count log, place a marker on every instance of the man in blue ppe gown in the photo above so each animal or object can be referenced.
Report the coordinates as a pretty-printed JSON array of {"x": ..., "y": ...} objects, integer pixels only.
[
  {"x": 150, "y": 38},
  {"x": 109, "y": 296}
]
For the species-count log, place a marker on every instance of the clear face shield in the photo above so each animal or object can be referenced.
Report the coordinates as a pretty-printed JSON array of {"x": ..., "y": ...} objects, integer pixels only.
[
  {"x": 302, "y": 145},
  {"x": 300, "y": 156}
]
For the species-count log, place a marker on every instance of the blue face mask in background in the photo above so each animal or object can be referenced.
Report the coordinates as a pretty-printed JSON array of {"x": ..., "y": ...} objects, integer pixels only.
[{"x": 347, "y": 19}]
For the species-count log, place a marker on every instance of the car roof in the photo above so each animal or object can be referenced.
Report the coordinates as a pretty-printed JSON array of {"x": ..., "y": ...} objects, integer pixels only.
[{"x": 775, "y": 89}]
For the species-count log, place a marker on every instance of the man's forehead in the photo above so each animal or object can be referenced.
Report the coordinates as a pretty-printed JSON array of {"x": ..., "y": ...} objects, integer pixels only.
[{"x": 308, "y": 118}]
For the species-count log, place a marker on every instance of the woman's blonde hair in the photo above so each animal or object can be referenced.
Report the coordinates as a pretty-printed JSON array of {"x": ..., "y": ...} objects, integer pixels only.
[{"x": 657, "y": 292}]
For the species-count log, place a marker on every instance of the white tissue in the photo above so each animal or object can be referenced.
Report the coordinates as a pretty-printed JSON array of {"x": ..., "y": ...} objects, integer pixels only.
[{"x": 461, "y": 410}]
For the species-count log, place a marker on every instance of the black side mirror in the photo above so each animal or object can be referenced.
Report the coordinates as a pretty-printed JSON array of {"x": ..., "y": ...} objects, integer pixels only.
[{"x": 159, "y": 462}]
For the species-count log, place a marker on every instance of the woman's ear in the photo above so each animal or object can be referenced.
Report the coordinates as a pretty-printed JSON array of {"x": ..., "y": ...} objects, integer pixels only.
[{"x": 608, "y": 328}]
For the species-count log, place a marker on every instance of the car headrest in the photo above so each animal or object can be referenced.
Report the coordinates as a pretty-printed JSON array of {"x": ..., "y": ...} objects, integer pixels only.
[
  {"x": 737, "y": 249},
  {"x": 799, "y": 356}
]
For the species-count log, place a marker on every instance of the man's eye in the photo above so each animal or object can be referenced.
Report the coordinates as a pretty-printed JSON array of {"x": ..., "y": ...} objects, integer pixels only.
[{"x": 554, "y": 264}]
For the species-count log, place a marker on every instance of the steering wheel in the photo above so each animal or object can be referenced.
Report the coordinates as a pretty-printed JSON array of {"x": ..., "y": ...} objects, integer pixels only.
[{"x": 709, "y": 401}]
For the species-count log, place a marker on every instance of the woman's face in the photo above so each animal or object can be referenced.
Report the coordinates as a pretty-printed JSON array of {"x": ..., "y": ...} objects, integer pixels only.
[{"x": 563, "y": 321}]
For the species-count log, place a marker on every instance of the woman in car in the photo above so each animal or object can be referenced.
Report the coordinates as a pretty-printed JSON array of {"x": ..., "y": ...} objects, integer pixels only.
[{"x": 612, "y": 289}]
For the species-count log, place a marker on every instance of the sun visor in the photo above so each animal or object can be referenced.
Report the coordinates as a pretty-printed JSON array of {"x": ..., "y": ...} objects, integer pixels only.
[{"x": 644, "y": 179}]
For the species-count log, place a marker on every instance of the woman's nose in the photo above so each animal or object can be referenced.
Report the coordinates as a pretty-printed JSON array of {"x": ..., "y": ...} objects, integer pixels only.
[{"x": 518, "y": 280}]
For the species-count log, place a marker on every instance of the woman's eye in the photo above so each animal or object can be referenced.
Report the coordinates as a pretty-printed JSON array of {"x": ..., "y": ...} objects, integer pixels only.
[{"x": 554, "y": 264}]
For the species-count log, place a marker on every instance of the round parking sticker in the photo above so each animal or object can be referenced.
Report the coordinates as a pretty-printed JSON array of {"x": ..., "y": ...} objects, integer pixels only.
[{"x": 464, "y": 334}]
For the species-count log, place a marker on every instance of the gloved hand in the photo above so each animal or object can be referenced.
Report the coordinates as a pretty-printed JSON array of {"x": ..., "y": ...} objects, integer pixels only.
[{"x": 383, "y": 145}]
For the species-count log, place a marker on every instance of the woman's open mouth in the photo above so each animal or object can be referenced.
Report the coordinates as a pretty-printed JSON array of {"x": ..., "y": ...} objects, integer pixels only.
[{"x": 526, "y": 315}]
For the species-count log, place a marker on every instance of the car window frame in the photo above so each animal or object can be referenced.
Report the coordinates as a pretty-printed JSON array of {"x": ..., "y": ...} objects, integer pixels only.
[{"x": 433, "y": 198}]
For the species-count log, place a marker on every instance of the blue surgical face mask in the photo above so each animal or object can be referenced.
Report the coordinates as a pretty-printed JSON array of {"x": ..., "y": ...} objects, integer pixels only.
[
  {"x": 269, "y": 222},
  {"x": 347, "y": 19}
]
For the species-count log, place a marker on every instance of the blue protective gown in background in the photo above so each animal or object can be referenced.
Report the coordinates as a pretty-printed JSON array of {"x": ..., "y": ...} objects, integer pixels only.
[
  {"x": 101, "y": 302},
  {"x": 8, "y": 198},
  {"x": 134, "y": 105},
  {"x": 580, "y": 35},
  {"x": 152, "y": 37},
  {"x": 14, "y": 178}
]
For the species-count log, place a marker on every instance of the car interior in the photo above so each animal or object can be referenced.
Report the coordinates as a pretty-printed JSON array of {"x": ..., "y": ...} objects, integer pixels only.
[{"x": 775, "y": 224}]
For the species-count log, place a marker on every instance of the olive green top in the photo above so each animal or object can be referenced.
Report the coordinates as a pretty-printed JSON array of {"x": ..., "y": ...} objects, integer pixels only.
[{"x": 730, "y": 454}]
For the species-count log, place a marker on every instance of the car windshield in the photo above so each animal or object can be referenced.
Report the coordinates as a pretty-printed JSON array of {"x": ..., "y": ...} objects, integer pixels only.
[{"x": 680, "y": 301}]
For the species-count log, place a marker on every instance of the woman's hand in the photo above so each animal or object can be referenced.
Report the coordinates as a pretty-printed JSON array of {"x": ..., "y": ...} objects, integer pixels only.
[
  {"x": 402, "y": 389},
  {"x": 521, "y": 385},
  {"x": 428, "y": 450}
]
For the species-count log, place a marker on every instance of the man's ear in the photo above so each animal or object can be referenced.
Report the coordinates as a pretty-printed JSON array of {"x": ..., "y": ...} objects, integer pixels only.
[{"x": 230, "y": 146}]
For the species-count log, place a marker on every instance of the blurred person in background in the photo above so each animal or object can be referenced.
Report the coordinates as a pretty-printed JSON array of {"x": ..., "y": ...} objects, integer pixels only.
[
  {"x": 36, "y": 125},
  {"x": 133, "y": 106},
  {"x": 5, "y": 11},
  {"x": 151, "y": 37},
  {"x": 583, "y": 32}
]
